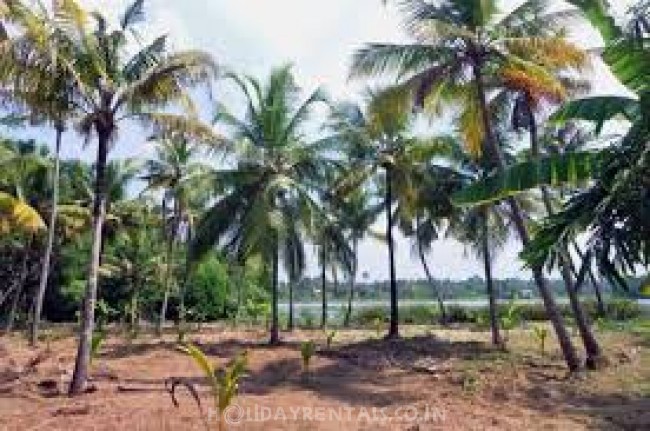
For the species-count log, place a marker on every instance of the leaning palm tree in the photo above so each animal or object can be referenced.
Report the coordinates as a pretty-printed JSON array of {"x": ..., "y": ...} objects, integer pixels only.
[
  {"x": 111, "y": 86},
  {"x": 265, "y": 205},
  {"x": 433, "y": 212},
  {"x": 381, "y": 146},
  {"x": 462, "y": 50}
]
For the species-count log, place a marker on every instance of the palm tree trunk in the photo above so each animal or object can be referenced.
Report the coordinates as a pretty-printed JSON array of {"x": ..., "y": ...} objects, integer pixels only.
[
  {"x": 432, "y": 283},
  {"x": 497, "y": 340},
  {"x": 275, "y": 335},
  {"x": 45, "y": 269},
  {"x": 20, "y": 287},
  {"x": 182, "y": 315},
  {"x": 134, "y": 309},
  {"x": 353, "y": 277},
  {"x": 335, "y": 281},
  {"x": 602, "y": 309},
  {"x": 323, "y": 320},
  {"x": 592, "y": 348},
  {"x": 394, "y": 312},
  {"x": 290, "y": 323},
  {"x": 168, "y": 276},
  {"x": 568, "y": 350},
  {"x": 82, "y": 362}
]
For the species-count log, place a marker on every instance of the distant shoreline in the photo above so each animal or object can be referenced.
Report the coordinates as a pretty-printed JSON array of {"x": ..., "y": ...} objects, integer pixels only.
[{"x": 467, "y": 303}]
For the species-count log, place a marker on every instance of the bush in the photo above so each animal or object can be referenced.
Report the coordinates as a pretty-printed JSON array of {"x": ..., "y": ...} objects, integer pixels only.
[
  {"x": 366, "y": 316},
  {"x": 418, "y": 315},
  {"x": 623, "y": 309}
]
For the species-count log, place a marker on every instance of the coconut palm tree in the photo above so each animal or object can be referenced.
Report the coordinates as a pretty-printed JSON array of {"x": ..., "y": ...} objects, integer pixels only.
[
  {"x": 176, "y": 172},
  {"x": 40, "y": 87},
  {"x": 25, "y": 167},
  {"x": 334, "y": 251},
  {"x": 462, "y": 50},
  {"x": 378, "y": 141},
  {"x": 266, "y": 202},
  {"x": 434, "y": 211},
  {"x": 133, "y": 257},
  {"x": 112, "y": 86},
  {"x": 357, "y": 215}
]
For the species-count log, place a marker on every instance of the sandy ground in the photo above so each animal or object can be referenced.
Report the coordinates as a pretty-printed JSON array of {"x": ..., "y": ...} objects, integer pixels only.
[{"x": 430, "y": 380}]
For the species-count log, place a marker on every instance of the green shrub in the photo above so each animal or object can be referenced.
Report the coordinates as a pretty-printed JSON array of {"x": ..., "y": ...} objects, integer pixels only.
[
  {"x": 307, "y": 319},
  {"x": 458, "y": 314},
  {"x": 367, "y": 316},
  {"x": 307, "y": 350},
  {"x": 418, "y": 315},
  {"x": 623, "y": 309}
]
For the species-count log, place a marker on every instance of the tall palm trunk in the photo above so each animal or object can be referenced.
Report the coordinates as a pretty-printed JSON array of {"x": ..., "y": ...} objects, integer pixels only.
[
  {"x": 352, "y": 280},
  {"x": 82, "y": 361},
  {"x": 393, "y": 332},
  {"x": 497, "y": 340},
  {"x": 19, "y": 288},
  {"x": 553, "y": 312},
  {"x": 182, "y": 314},
  {"x": 290, "y": 322},
  {"x": 432, "y": 283},
  {"x": 134, "y": 307},
  {"x": 45, "y": 269},
  {"x": 323, "y": 319},
  {"x": 169, "y": 271},
  {"x": 335, "y": 281},
  {"x": 275, "y": 335},
  {"x": 592, "y": 348}
]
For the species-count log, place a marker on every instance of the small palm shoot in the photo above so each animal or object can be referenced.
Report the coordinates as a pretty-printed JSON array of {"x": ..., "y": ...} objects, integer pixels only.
[
  {"x": 307, "y": 350},
  {"x": 378, "y": 324},
  {"x": 510, "y": 320},
  {"x": 329, "y": 338},
  {"x": 541, "y": 334},
  {"x": 97, "y": 341},
  {"x": 224, "y": 383}
]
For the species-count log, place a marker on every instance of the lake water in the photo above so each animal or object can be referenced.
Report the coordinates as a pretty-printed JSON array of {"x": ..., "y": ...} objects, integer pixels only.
[{"x": 337, "y": 308}]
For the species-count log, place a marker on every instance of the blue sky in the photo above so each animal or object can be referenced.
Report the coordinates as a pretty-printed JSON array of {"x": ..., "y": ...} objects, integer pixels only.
[{"x": 318, "y": 37}]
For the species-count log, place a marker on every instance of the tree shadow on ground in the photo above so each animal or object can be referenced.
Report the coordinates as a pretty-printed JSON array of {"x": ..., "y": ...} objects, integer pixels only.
[
  {"x": 550, "y": 389},
  {"x": 352, "y": 373}
]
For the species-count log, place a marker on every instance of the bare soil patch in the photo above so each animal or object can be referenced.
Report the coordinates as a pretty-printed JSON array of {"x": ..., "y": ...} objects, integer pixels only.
[{"x": 433, "y": 379}]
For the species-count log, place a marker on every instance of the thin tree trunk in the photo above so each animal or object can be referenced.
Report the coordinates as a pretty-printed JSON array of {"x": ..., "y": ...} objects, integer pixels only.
[
  {"x": 335, "y": 281},
  {"x": 45, "y": 269},
  {"x": 275, "y": 335},
  {"x": 183, "y": 287},
  {"x": 602, "y": 309},
  {"x": 168, "y": 276},
  {"x": 592, "y": 348},
  {"x": 568, "y": 350},
  {"x": 323, "y": 320},
  {"x": 497, "y": 340},
  {"x": 134, "y": 308},
  {"x": 353, "y": 276},
  {"x": 20, "y": 287},
  {"x": 394, "y": 312},
  {"x": 432, "y": 283},
  {"x": 290, "y": 323},
  {"x": 82, "y": 362}
]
